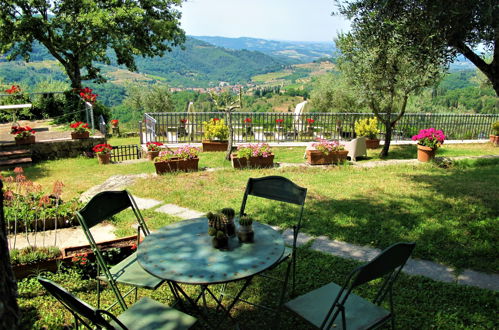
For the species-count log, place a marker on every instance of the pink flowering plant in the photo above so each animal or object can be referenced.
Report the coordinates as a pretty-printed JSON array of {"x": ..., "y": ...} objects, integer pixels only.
[
  {"x": 254, "y": 150},
  {"x": 184, "y": 152},
  {"x": 430, "y": 137},
  {"x": 326, "y": 146},
  {"x": 187, "y": 152},
  {"x": 154, "y": 146}
]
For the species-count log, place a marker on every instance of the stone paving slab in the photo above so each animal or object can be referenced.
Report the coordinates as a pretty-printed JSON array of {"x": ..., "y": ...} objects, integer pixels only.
[
  {"x": 64, "y": 237},
  {"x": 115, "y": 182},
  {"x": 482, "y": 280},
  {"x": 178, "y": 211},
  {"x": 344, "y": 250},
  {"x": 430, "y": 269},
  {"x": 146, "y": 203},
  {"x": 302, "y": 238}
]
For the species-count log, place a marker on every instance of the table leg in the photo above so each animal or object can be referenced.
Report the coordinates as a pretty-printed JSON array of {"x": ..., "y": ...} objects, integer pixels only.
[{"x": 193, "y": 304}]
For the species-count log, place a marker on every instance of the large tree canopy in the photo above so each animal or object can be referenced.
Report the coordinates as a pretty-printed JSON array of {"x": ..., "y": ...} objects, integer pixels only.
[
  {"x": 383, "y": 70},
  {"x": 78, "y": 33},
  {"x": 441, "y": 28}
]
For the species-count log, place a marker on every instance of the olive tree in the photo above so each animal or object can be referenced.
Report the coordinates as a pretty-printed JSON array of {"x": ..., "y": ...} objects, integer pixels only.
[
  {"x": 228, "y": 103},
  {"x": 384, "y": 73},
  {"x": 439, "y": 29},
  {"x": 80, "y": 33}
]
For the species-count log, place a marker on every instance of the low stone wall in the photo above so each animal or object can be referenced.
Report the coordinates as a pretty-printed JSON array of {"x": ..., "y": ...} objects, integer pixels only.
[{"x": 63, "y": 148}]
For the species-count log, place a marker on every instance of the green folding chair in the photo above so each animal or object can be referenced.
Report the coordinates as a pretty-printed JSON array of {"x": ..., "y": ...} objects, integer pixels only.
[
  {"x": 143, "y": 315},
  {"x": 349, "y": 310},
  {"x": 279, "y": 189},
  {"x": 101, "y": 207}
]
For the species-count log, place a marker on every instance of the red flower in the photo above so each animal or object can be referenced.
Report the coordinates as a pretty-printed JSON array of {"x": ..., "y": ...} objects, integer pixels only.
[
  {"x": 183, "y": 120},
  {"x": 216, "y": 119},
  {"x": 102, "y": 148},
  {"x": 247, "y": 120},
  {"x": 13, "y": 90},
  {"x": 114, "y": 122},
  {"x": 153, "y": 146},
  {"x": 310, "y": 120},
  {"x": 279, "y": 121},
  {"x": 134, "y": 246},
  {"x": 87, "y": 95}
]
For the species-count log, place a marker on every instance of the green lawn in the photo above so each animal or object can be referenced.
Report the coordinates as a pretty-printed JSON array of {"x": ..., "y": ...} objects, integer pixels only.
[
  {"x": 420, "y": 303},
  {"x": 451, "y": 213}
]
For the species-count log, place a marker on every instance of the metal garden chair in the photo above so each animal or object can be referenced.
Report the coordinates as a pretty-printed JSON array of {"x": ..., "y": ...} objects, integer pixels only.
[
  {"x": 144, "y": 314},
  {"x": 101, "y": 207},
  {"x": 279, "y": 189},
  {"x": 349, "y": 310}
]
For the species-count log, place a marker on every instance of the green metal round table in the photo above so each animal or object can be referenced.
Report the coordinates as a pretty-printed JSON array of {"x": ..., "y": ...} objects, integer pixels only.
[{"x": 183, "y": 253}]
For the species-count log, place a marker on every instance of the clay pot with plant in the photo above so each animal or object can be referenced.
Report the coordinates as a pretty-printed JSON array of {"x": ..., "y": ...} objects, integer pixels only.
[
  {"x": 217, "y": 228},
  {"x": 245, "y": 232},
  {"x": 229, "y": 214},
  {"x": 153, "y": 149},
  {"x": 253, "y": 155},
  {"x": 429, "y": 140},
  {"x": 103, "y": 152},
  {"x": 80, "y": 129},
  {"x": 494, "y": 137},
  {"x": 216, "y": 133},
  {"x": 23, "y": 134},
  {"x": 368, "y": 127}
]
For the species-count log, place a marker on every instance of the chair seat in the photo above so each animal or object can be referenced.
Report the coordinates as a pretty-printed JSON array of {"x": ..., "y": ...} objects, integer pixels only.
[
  {"x": 150, "y": 314},
  {"x": 359, "y": 313},
  {"x": 128, "y": 271}
]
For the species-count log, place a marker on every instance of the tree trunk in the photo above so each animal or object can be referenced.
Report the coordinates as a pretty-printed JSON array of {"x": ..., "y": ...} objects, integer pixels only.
[
  {"x": 388, "y": 138},
  {"x": 9, "y": 310},
  {"x": 231, "y": 135}
]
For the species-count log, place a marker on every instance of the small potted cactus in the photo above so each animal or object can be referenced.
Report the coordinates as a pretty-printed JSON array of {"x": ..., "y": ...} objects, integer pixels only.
[
  {"x": 217, "y": 227},
  {"x": 245, "y": 233},
  {"x": 229, "y": 214}
]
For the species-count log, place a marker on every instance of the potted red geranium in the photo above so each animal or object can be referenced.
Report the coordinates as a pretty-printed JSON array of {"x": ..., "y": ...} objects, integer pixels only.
[
  {"x": 103, "y": 152},
  {"x": 153, "y": 149},
  {"x": 80, "y": 130},
  {"x": 23, "y": 134},
  {"x": 115, "y": 122}
]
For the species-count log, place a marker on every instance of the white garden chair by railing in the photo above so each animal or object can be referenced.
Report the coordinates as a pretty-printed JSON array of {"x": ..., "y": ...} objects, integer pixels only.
[{"x": 356, "y": 147}]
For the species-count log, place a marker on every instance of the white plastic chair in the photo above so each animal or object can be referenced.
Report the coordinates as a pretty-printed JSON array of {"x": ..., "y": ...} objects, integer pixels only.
[{"x": 356, "y": 147}]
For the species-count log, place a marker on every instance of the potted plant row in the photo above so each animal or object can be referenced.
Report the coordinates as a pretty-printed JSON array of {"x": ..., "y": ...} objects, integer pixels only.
[
  {"x": 216, "y": 134},
  {"x": 368, "y": 127},
  {"x": 23, "y": 134},
  {"x": 32, "y": 260},
  {"x": 326, "y": 152},
  {"x": 103, "y": 152},
  {"x": 428, "y": 142},
  {"x": 80, "y": 130},
  {"x": 253, "y": 155},
  {"x": 184, "y": 159}
]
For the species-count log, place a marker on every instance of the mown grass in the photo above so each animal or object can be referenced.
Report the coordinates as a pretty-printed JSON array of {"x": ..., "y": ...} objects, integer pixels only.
[{"x": 420, "y": 303}]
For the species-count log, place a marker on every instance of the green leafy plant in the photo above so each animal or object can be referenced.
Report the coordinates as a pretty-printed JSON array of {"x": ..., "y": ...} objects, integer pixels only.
[
  {"x": 254, "y": 150},
  {"x": 32, "y": 254},
  {"x": 495, "y": 128},
  {"x": 367, "y": 127},
  {"x": 215, "y": 129}
]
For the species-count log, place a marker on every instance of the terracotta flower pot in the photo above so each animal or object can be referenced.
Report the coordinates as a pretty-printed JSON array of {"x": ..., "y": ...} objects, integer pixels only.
[
  {"x": 215, "y": 145},
  {"x": 152, "y": 154},
  {"x": 425, "y": 154},
  {"x": 188, "y": 165},
  {"x": 80, "y": 135},
  {"x": 339, "y": 156},
  {"x": 317, "y": 157},
  {"x": 494, "y": 139},
  {"x": 253, "y": 162},
  {"x": 104, "y": 158},
  {"x": 26, "y": 140},
  {"x": 166, "y": 166},
  {"x": 372, "y": 143}
]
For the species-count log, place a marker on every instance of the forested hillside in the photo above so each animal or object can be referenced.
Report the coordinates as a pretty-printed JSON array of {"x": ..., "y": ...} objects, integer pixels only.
[{"x": 198, "y": 64}]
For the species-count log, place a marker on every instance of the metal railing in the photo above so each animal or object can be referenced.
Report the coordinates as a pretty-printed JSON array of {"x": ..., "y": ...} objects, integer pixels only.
[
  {"x": 182, "y": 127},
  {"x": 126, "y": 152}
]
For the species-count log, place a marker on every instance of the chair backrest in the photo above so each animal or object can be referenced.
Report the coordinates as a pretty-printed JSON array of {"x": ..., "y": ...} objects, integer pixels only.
[
  {"x": 76, "y": 306},
  {"x": 276, "y": 188},
  {"x": 104, "y": 205},
  {"x": 388, "y": 261}
]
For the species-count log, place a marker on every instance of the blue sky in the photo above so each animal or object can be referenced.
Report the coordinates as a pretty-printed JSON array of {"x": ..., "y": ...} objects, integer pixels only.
[{"x": 298, "y": 20}]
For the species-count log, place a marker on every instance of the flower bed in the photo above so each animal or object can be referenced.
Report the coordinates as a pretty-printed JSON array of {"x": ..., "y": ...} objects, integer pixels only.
[
  {"x": 183, "y": 159},
  {"x": 253, "y": 155},
  {"x": 326, "y": 152}
]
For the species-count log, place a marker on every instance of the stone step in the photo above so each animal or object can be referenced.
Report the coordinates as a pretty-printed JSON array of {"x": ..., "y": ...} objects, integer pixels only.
[
  {"x": 19, "y": 153},
  {"x": 10, "y": 163}
]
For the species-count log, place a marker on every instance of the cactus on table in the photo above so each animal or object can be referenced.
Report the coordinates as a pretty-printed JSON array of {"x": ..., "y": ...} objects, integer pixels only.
[
  {"x": 228, "y": 212},
  {"x": 245, "y": 220}
]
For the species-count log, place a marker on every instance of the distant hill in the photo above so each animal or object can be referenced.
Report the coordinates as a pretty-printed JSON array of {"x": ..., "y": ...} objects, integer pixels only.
[
  {"x": 199, "y": 64},
  {"x": 290, "y": 51}
]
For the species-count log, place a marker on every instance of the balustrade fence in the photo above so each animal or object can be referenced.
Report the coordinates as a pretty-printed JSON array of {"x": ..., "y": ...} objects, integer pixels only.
[{"x": 182, "y": 127}]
